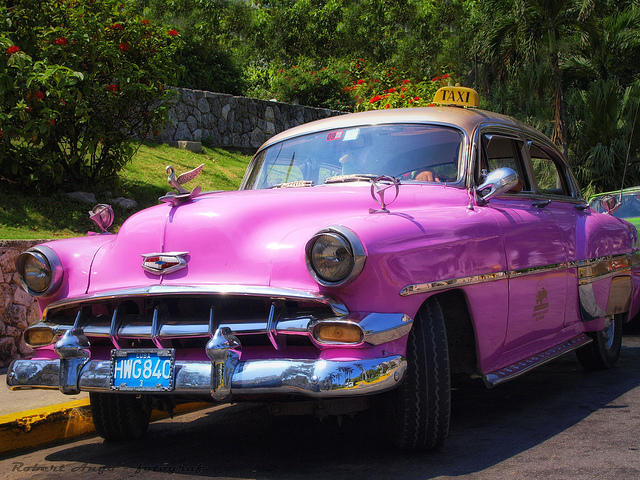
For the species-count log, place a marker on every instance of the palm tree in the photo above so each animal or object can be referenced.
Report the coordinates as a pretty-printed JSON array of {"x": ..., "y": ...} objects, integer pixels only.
[{"x": 525, "y": 32}]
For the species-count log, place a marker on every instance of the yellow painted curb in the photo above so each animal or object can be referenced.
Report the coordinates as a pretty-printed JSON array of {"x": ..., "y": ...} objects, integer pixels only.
[{"x": 34, "y": 428}]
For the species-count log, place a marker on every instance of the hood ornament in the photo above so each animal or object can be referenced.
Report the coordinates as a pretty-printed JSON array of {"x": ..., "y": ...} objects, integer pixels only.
[
  {"x": 102, "y": 216},
  {"x": 379, "y": 187},
  {"x": 162, "y": 263},
  {"x": 176, "y": 182}
]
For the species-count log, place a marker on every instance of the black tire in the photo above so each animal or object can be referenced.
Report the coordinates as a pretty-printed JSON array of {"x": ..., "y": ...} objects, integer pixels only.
[
  {"x": 119, "y": 416},
  {"x": 604, "y": 351},
  {"x": 420, "y": 408}
]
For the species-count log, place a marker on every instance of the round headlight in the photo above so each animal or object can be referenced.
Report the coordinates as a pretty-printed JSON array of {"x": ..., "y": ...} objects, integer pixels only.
[
  {"x": 36, "y": 273},
  {"x": 331, "y": 258},
  {"x": 39, "y": 270},
  {"x": 335, "y": 256}
]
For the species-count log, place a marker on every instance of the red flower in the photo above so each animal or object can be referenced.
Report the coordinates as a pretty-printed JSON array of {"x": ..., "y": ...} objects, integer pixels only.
[
  {"x": 411, "y": 100},
  {"x": 61, "y": 41},
  {"x": 12, "y": 50},
  {"x": 117, "y": 26},
  {"x": 28, "y": 109},
  {"x": 386, "y": 106},
  {"x": 145, "y": 22},
  {"x": 173, "y": 32},
  {"x": 52, "y": 121},
  {"x": 391, "y": 90},
  {"x": 404, "y": 89},
  {"x": 39, "y": 95},
  {"x": 435, "y": 79},
  {"x": 404, "y": 82},
  {"x": 416, "y": 98},
  {"x": 446, "y": 75},
  {"x": 124, "y": 46},
  {"x": 375, "y": 99},
  {"x": 360, "y": 82},
  {"x": 112, "y": 88}
]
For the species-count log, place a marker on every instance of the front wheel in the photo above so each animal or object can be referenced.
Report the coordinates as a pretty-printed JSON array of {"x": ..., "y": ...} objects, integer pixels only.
[
  {"x": 119, "y": 416},
  {"x": 604, "y": 351},
  {"x": 420, "y": 407}
]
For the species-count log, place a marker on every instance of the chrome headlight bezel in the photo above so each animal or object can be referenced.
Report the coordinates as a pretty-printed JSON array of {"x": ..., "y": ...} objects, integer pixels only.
[
  {"x": 354, "y": 248},
  {"x": 49, "y": 266}
]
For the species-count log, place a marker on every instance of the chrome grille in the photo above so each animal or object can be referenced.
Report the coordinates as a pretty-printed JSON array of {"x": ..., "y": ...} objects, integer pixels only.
[{"x": 161, "y": 320}]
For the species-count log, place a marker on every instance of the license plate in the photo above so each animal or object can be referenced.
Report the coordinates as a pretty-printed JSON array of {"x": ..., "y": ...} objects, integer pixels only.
[{"x": 142, "y": 370}]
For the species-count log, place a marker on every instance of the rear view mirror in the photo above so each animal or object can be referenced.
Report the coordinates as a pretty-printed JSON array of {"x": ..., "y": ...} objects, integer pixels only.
[
  {"x": 497, "y": 182},
  {"x": 609, "y": 203}
]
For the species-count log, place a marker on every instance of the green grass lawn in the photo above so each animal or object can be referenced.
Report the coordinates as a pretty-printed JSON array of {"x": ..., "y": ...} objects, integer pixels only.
[{"x": 144, "y": 180}]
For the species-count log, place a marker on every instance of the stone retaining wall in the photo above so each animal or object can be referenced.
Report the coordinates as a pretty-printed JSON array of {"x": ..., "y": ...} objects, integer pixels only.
[
  {"x": 219, "y": 120},
  {"x": 18, "y": 309}
]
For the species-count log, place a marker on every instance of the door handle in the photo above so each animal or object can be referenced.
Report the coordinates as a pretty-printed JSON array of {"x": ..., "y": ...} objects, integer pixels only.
[{"x": 541, "y": 203}]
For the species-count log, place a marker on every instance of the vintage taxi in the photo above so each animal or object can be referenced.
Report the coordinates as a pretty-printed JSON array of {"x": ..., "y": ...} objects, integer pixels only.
[{"x": 365, "y": 260}]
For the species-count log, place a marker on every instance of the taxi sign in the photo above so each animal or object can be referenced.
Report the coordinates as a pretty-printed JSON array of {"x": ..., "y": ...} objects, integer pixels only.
[{"x": 460, "y": 96}]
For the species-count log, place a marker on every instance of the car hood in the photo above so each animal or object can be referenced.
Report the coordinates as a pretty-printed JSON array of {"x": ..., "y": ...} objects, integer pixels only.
[{"x": 235, "y": 238}]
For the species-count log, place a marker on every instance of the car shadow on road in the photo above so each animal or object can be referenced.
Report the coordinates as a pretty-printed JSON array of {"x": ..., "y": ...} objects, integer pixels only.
[{"x": 487, "y": 428}]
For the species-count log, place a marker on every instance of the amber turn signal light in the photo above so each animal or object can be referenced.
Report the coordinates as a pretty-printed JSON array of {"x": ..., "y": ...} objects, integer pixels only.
[
  {"x": 39, "y": 336},
  {"x": 338, "y": 333}
]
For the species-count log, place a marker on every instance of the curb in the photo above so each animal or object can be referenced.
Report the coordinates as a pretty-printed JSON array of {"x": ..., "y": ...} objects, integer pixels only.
[{"x": 34, "y": 428}]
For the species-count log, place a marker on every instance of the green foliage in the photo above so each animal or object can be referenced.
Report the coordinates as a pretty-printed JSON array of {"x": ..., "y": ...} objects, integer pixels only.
[
  {"x": 305, "y": 84},
  {"x": 79, "y": 79},
  {"x": 211, "y": 33},
  {"x": 604, "y": 121}
]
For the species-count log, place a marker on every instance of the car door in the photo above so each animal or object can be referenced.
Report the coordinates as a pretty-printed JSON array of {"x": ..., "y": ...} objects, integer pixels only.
[{"x": 537, "y": 240}]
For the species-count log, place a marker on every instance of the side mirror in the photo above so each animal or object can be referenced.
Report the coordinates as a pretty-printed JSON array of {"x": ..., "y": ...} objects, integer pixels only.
[
  {"x": 497, "y": 182},
  {"x": 609, "y": 203}
]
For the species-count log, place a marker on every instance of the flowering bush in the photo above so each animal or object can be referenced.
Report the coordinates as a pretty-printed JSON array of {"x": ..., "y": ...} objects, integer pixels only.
[
  {"x": 376, "y": 88},
  {"x": 305, "y": 84},
  {"x": 78, "y": 80}
]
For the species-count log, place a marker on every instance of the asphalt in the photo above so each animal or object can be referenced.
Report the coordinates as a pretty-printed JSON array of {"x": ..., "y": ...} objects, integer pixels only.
[{"x": 36, "y": 417}]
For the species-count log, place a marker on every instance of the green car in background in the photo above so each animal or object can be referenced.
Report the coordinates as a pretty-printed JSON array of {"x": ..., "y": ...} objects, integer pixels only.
[{"x": 629, "y": 209}]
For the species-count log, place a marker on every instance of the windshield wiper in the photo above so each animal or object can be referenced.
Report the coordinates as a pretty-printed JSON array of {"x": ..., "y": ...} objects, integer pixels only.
[{"x": 354, "y": 177}]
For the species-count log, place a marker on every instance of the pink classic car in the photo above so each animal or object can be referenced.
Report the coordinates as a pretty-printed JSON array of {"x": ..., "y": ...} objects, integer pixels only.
[{"x": 365, "y": 260}]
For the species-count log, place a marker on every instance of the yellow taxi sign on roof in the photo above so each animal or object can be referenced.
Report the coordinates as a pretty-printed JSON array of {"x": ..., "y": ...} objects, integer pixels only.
[{"x": 460, "y": 96}]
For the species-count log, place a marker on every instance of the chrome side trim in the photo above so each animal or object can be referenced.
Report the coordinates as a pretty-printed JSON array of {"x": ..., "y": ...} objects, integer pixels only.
[
  {"x": 519, "y": 368},
  {"x": 588, "y": 271},
  {"x": 456, "y": 282},
  {"x": 239, "y": 290}
]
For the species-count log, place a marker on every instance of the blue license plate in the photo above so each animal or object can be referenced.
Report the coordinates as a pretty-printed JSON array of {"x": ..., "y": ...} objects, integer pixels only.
[{"x": 142, "y": 370}]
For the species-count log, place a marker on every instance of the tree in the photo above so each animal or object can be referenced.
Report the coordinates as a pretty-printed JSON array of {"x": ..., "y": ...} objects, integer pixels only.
[
  {"x": 78, "y": 81},
  {"x": 525, "y": 32},
  {"x": 604, "y": 133}
]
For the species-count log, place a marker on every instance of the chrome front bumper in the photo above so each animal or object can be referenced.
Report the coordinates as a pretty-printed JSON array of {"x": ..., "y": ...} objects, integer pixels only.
[{"x": 312, "y": 378}]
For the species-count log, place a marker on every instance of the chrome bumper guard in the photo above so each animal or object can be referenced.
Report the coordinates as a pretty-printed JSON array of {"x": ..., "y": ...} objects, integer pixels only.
[
  {"x": 224, "y": 379},
  {"x": 226, "y": 375}
]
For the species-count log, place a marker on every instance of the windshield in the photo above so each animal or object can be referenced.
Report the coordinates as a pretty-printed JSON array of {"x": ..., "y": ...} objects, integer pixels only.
[
  {"x": 423, "y": 153},
  {"x": 629, "y": 208}
]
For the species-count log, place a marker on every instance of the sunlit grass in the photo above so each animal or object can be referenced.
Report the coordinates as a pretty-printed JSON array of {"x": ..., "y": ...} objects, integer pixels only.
[{"x": 144, "y": 180}]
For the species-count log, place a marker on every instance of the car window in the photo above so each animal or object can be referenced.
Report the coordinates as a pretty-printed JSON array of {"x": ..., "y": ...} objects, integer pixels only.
[
  {"x": 500, "y": 151},
  {"x": 423, "y": 153},
  {"x": 547, "y": 172}
]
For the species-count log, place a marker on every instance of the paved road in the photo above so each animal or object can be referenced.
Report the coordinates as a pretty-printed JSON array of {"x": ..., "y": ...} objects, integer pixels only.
[{"x": 558, "y": 422}]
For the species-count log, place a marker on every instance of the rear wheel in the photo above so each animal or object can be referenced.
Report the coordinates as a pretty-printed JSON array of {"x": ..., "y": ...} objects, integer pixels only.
[
  {"x": 119, "y": 416},
  {"x": 604, "y": 351},
  {"x": 420, "y": 407}
]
